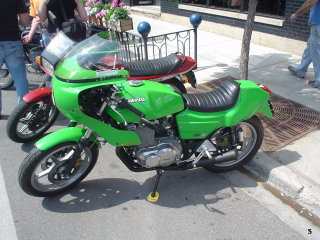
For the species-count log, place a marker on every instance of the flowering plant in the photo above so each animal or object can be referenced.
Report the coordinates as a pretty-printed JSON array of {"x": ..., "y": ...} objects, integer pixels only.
[
  {"x": 93, "y": 7},
  {"x": 110, "y": 11}
]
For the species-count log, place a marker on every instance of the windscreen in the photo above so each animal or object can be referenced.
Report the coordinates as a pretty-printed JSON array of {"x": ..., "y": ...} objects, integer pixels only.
[{"x": 100, "y": 51}]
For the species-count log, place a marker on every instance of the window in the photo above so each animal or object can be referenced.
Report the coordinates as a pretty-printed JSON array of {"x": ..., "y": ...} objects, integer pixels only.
[{"x": 265, "y": 7}]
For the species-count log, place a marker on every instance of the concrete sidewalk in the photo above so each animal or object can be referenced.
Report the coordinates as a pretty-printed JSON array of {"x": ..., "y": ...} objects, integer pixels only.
[{"x": 295, "y": 169}]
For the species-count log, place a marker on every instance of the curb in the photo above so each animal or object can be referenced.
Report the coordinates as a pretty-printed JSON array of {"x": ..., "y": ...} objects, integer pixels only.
[
  {"x": 291, "y": 184},
  {"x": 146, "y": 12}
]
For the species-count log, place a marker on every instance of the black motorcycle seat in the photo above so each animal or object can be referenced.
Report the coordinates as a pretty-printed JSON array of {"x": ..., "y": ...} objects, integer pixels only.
[
  {"x": 220, "y": 99},
  {"x": 153, "y": 67}
]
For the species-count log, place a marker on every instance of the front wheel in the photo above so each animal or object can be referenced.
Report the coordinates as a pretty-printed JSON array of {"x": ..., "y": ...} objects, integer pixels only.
[
  {"x": 42, "y": 172},
  {"x": 252, "y": 139},
  {"x": 29, "y": 121}
]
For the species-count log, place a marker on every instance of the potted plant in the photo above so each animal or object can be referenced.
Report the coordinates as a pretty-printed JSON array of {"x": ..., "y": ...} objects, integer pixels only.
[
  {"x": 118, "y": 17},
  {"x": 93, "y": 7},
  {"x": 115, "y": 15}
]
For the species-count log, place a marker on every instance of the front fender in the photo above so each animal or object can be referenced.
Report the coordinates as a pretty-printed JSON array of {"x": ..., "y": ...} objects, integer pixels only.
[
  {"x": 40, "y": 94},
  {"x": 70, "y": 134}
]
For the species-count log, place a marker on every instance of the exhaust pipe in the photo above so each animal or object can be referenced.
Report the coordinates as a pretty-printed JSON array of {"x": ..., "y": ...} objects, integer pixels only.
[{"x": 226, "y": 157}]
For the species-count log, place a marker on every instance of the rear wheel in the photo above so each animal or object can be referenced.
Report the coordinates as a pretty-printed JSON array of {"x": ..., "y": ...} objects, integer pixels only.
[
  {"x": 30, "y": 121},
  {"x": 252, "y": 140},
  {"x": 42, "y": 172}
]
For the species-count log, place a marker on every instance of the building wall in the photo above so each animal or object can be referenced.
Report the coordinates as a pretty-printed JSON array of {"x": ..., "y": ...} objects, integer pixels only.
[{"x": 298, "y": 30}]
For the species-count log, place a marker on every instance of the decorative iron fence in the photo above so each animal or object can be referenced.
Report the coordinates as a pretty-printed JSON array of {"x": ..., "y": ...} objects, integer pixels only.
[
  {"x": 138, "y": 48},
  {"x": 141, "y": 47}
]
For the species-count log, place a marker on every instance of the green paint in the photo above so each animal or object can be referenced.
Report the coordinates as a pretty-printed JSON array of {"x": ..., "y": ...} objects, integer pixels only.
[
  {"x": 70, "y": 134},
  {"x": 252, "y": 100}
]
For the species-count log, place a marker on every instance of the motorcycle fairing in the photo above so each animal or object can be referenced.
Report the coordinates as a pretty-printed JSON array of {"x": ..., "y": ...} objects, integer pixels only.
[
  {"x": 66, "y": 97},
  {"x": 72, "y": 134},
  {"x": 199, "y": 125}
]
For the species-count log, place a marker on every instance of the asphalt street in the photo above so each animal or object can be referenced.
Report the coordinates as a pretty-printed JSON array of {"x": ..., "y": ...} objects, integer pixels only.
[{"x": 111, "y": 202}]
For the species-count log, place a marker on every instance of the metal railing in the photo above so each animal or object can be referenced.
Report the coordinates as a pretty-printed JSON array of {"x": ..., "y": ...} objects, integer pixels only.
[{"x": 143, "y": 47}]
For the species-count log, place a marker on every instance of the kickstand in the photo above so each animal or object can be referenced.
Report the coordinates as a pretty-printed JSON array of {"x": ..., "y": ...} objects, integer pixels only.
[{"x": 154, "y": 195}]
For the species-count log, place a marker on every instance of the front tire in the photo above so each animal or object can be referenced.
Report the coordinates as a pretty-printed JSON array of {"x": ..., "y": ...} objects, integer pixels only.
[
  {"x": 253, "y": 137},
  {"x": 41, "y": 172},
  {"x": 29, "y": 121}
]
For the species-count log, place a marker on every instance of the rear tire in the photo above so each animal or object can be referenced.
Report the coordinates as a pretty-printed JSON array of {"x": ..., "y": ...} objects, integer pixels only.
[
  {"x": 255, "y": 126},
  {"x": 28, "y": 114},
  {"x": 49, "y": 163}
]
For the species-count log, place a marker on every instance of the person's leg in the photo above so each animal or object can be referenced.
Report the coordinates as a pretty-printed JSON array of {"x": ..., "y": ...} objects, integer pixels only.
[
  {"x": 302, "y": 68},
  {"x": 14, "y": 59},
  {"x": 315, "y": 52}
]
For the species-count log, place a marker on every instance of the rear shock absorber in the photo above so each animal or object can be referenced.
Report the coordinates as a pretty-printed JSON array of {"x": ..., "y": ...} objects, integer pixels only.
[{"x": 233, "y": 133}]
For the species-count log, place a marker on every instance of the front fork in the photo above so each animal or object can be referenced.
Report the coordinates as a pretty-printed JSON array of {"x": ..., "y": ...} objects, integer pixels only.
[
  {"x": 77, "y": 151},
  {"x": 82, "y": 143}
]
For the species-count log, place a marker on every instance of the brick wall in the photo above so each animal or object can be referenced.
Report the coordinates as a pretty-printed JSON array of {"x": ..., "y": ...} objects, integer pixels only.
[{"x": 298, "y": 30}]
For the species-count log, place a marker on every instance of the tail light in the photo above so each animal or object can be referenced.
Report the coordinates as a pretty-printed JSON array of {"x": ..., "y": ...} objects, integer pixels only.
[{"x": 265, "y": 88}]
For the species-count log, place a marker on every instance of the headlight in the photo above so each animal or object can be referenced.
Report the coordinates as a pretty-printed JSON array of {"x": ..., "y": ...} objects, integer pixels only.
[{"x": 47, "y": 66}]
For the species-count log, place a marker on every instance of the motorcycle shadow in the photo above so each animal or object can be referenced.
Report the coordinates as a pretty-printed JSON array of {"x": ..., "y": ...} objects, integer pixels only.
[{"x": 177, "y": 190}]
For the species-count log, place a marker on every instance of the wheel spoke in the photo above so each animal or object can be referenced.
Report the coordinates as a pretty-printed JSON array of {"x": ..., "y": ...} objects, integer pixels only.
[
  {"x": 24, "y": 127},
  {"x": 69, "y": 155},
  {"x": 27, "y": 118},
  {"x": 54, "y": 159},
  {"x": 45, "y": 172}
]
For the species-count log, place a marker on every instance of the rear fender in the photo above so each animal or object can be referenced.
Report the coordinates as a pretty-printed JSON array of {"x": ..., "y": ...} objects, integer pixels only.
[
  {"x": 40, "y": 94},
  {"x": 70, "y": 134}
]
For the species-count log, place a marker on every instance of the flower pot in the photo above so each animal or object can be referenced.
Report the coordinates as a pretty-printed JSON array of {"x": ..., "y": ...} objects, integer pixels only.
[
  {"x": 93, "y": 19},
  {"x": 121, "y": 25},
  {"x": 99, "y": 21}
]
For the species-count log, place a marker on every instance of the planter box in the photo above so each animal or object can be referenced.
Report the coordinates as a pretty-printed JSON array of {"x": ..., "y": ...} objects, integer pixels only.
[{"x": 121, "y": 25}]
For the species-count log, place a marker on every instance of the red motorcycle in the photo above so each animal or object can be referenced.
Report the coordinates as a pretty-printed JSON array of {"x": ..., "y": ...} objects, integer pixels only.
[{"x": 37, "y": 112}]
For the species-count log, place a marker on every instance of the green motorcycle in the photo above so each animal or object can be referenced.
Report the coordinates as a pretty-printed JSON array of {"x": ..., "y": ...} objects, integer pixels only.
[{"x": 153, "y": 126}]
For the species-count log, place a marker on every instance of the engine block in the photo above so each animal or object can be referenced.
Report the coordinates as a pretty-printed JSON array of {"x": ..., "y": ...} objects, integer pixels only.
[{"x": 161, "y": 155}]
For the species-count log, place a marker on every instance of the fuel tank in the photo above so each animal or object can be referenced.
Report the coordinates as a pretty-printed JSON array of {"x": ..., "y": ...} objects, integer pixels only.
[{"x": 154, "y": 100}]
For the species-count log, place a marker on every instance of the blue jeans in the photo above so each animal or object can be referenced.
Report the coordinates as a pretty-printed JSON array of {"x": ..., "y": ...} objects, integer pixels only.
[
  {"x": 311, "y": 54},
  {"x": 12, "y": 54}
]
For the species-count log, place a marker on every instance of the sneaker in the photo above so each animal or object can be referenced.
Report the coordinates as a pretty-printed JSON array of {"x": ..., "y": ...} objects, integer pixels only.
[
  {"x": 313, "y": 84},
  {"x": 294, "y": 72}
]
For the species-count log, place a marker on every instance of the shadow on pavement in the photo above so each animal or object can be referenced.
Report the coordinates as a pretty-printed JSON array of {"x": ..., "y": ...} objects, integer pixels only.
[
  {"x": 26, "y": 147},
  {"x": 177, "y": 189},
  {"x": 287, "y": 156}
]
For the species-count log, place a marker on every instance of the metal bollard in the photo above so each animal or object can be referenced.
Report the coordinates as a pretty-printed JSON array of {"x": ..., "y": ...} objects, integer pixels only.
[
  {"x": 195, "y": 20},
  {"x": 144, "y": 29}
]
